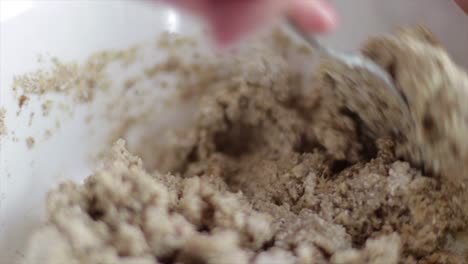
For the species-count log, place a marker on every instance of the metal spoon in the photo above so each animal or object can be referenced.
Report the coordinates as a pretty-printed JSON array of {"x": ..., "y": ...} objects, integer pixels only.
[{"x": 353, "y": 60}]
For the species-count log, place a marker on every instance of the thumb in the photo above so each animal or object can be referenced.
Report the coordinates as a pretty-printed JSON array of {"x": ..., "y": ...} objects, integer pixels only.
[
  {"x": 232, "y": 19},
  {"x": 315, "y": 16},
  {"x": 463, "y": 4}
]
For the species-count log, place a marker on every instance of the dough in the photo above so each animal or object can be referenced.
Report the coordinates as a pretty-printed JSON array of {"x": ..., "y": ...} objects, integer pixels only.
[{"x": 277, "y": 172}]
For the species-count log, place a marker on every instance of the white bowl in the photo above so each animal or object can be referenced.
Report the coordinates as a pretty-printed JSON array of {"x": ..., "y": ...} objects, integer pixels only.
[{"x": 73, "y": 29}]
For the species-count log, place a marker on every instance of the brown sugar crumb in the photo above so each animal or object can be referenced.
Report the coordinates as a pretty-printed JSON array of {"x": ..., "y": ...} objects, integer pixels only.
[
  {"x": 46, "y": 107},
  {"x": 22, "y": 100},
  {"x": 30, "y": 141},
  {"x": 79, "y": 81},
  {"x": 130, "y": 83},
  {"x": 272, "y": 171},
  {"x": 89, "y": 118},
  {"x": 47, "y": 134},
  {"x": 31, "y": 118}
]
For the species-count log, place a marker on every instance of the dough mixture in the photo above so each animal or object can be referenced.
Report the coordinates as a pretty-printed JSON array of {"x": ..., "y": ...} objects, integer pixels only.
[{"x": 281, "y": 169}]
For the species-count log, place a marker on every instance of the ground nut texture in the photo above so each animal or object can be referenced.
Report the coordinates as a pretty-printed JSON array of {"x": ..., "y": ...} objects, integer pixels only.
[{"x": 278, "y": 168}]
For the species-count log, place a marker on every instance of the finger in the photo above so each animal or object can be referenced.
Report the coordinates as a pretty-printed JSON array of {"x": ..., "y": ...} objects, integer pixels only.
[
  {"x": 315, "y": 16},
  {"x": 463, "y": 4},
  {"x": 232, "y": 19},
  {"x": 194, "y": 6}
]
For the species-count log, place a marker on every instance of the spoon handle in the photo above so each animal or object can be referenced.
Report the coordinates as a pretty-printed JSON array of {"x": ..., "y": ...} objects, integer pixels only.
[{"x": 298, "y": 31}]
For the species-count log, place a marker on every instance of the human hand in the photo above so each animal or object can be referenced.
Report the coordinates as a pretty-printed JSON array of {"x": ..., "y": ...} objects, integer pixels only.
[
  {"x": 463, "y": 4},
  {"x": 230, "y": 20}
]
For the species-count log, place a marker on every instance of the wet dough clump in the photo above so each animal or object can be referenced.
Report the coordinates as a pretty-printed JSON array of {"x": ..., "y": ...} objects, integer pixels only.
[{"x": 277, "y": 169}]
